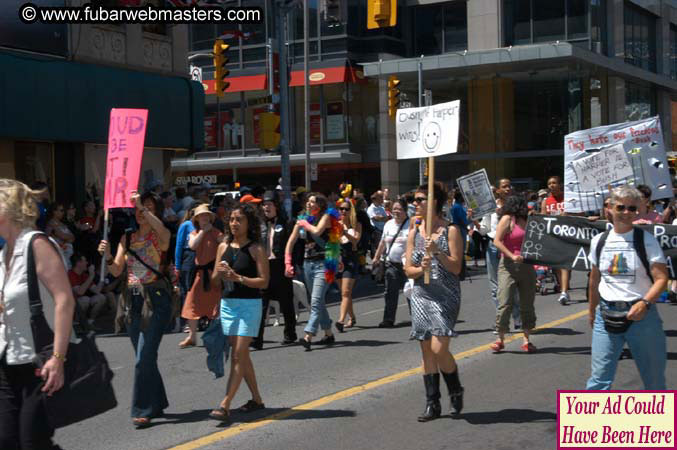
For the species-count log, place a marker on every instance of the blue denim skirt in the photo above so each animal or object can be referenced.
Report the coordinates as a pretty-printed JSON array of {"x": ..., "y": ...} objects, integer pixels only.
[{"x": 241, "y": 316}]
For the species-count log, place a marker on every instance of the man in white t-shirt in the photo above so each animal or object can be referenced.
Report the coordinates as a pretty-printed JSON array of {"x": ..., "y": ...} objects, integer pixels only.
[
  {"x": 393, "y": 246},
  {"x": 378, "y": 217},
  {"x": 620, "y": 283}
]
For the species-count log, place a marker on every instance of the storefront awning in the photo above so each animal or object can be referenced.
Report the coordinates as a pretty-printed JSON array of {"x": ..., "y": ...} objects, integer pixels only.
[
  {"x": 239, "y": 84},
  {"x": 64, "y": 101},
  {"x": 344, "y": 74}
]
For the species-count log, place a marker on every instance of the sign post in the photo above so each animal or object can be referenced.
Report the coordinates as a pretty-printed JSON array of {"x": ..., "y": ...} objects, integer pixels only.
[
  {"x": 427, "y": 132},
  {"x": 126, "y": 135}
]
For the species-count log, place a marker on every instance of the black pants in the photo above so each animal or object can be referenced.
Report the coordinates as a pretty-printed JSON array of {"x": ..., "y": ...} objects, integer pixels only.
[
  {"x": 280, "y": 289},
  {"x": 395, "y": 279},
  {"x": 23, "y": 420}
]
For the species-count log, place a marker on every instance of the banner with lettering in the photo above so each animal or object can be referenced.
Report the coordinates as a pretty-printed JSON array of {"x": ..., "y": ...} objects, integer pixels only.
[
  {"x": 564, "y": 241},
  {"x": 593, "y": 160},
  {"x": 126, "y": 136}
]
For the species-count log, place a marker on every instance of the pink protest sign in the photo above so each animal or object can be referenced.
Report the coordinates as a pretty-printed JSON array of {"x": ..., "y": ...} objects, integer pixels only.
[{"x": 126, "y": 135}]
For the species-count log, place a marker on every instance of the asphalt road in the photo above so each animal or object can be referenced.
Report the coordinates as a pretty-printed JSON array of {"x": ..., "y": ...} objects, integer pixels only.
[{"x": 365, "y": 392}]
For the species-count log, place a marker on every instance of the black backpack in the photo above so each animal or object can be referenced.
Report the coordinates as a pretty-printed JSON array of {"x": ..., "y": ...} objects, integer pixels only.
[{"x": 637, "y": 243}]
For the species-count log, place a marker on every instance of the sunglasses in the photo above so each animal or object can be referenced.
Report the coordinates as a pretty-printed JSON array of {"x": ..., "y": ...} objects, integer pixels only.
[
  {"x": 344, "y": 209},
  {"x": 420, "y": 199},
  {"x": 622, "y": 208}
]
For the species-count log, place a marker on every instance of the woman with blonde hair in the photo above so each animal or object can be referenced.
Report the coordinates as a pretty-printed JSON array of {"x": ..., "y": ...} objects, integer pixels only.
[
  {"x": 349, "y": 269},
  {"x": 204, "y": 295},
  {"x": 23, "y": 419}
]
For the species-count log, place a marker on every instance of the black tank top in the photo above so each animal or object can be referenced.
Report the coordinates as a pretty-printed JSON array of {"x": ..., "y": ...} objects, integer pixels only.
[{"x": 242, "y": 262}]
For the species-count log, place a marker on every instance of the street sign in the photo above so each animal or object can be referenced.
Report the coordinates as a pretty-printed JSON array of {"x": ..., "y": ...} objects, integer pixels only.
[
  {"x": 196, "y": 73},
  {"x": 260, "y": 101}
]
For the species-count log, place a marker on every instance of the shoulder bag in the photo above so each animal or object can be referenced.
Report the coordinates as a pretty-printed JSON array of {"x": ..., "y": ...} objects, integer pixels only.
[{"x": 87, "y": 389}]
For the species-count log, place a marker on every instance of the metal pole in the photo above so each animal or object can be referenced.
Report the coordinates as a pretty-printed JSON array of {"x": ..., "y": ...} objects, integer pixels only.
[
  {"x": 421, "y": 161},
  {"x": 306, "y": 96},
  {"x": 280, "y": 26},
  {"x": 270, "y": 72},
  {"x": 219, "y": 139}
]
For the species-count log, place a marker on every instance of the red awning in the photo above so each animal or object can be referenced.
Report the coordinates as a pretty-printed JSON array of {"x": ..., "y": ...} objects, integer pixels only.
[
  {"x": 239, "y": 84},
  {"x": 327, "y": 76}
]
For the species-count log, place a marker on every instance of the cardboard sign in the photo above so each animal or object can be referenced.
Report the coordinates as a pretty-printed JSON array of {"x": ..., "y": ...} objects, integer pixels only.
[
  {"x": 597, "y": 171},
  {"x": 427, "y": 131},
  {"x": 477, "y": 193},
  {"x": 126, "y": 135},
  {"x": 642, "y": 142}
]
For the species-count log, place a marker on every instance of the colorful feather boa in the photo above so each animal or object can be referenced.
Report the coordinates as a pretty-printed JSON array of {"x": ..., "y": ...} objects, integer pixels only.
[{"x": 332, "y": 250}]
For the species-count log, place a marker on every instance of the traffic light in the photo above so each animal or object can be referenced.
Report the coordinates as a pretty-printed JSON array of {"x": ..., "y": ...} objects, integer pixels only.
[
  {"x": 331, "y": 12},
  {"x": 220, "y": 61},
  {"x": 381, "y": 13},
  {"x": 393, "y": 96},
  {"x": 269, "y": 130}
]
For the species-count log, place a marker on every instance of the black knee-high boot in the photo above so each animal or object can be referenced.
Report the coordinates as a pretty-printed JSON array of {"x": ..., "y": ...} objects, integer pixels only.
[
  {"x": 433, "y": 409},
  {"x": 455, "y": 390}
]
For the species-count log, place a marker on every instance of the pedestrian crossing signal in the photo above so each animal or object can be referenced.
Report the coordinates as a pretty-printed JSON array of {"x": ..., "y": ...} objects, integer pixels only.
[
  {"x": 393, "y": 96},
  {"x": 220, "y": 61},
  {"x": 269, "y": 130}
]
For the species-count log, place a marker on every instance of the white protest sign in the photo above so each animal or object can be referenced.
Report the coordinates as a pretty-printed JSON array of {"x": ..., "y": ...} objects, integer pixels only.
[
  {"x": 477, "y": 193},
  {"x": 427, "y": 131},
  {"x": 642, "y": 142},
  {"x": 597, "y": 171}
]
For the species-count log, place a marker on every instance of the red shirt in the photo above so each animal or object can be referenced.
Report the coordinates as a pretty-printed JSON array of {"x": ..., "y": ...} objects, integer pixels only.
[
  {"x": 77, "y": 280},
  {"x": 554, "y": 205}
]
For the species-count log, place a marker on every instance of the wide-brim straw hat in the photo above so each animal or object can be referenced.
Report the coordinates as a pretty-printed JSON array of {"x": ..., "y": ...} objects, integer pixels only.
[{"x": 203, "y": 209}]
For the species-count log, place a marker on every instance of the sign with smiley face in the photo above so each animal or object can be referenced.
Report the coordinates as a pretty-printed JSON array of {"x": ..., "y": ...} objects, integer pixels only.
[{"x": 427, "y": 131}]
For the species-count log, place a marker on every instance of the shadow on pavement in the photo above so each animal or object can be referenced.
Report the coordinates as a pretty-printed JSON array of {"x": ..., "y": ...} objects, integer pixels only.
[
  {"x": 558, "y": 331},
  {"x": 484, "y": 330},
  {"x": 553, "y": 350},
  {"x": 508, "y": 416},
  {"x": 359, "y": 343},
  {"x": 196, "y": 415},
  {"x": 284, "y": 414}
]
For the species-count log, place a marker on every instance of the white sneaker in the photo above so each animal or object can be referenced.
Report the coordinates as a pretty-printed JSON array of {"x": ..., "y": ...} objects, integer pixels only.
[{"x": 564, "y": 298}]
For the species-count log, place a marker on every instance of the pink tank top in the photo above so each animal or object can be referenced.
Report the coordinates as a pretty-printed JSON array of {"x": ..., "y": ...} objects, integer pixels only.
[{"x": 513, "y": 240}]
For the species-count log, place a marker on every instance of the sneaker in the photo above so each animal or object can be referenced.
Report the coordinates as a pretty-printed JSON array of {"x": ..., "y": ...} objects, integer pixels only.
[
  {"x": 564, "y": 298},
  {"x": 386, "y": 324}
]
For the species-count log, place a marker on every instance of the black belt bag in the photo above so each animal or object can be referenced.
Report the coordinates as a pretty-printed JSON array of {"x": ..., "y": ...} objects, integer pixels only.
[{"x": 616, "y": 322}]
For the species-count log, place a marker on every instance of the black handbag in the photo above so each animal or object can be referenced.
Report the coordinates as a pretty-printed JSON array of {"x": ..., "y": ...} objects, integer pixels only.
[{"x": 87, "y": 389}]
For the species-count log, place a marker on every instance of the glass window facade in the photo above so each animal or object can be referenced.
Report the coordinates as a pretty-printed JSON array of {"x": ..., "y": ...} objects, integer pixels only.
[
  {"x": 532, "y": 21},
  {"x": 440, "y": 28},
  {"x": 640, "y": 101},
  {"x": 639, "y": 37}
]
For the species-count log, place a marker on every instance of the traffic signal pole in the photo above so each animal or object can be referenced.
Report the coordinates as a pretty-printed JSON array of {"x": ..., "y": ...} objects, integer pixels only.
[
  {"x": 280, "y": 25},
  {"x": 306, "y": 97}
]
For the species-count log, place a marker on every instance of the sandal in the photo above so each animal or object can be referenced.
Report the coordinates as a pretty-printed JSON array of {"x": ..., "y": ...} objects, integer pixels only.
[
  {"x": 220, "y": 414},
  {"x": 251, "y": 406},
  {"x": 141, "y": 422},
  {"x": 528, "y": 347},
  {"x": 351, "y": 324},
  {"x": 497, "y": 346},
  {"x": 187, "y": 343}
]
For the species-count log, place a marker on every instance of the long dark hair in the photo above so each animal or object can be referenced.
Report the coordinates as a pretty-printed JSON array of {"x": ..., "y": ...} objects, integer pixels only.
[
  {"x": 253, "y": 223},
  {"x": 515, "y": 205}
]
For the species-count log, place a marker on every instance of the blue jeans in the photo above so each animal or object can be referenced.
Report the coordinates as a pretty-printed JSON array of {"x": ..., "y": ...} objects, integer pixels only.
[
  {"x": 149, "y": 397},
  {"x": 646, "y": 340},
  {"x": 317, "y": 286},
  {"x": 493, "y": 258}
]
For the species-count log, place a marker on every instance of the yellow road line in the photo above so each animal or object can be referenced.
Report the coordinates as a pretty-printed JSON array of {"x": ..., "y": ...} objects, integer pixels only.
[{"x": 241, "y": 428}]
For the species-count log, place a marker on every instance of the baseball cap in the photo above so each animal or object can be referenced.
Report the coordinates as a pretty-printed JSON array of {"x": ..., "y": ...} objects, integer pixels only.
[{"x": 248, "y": 198}]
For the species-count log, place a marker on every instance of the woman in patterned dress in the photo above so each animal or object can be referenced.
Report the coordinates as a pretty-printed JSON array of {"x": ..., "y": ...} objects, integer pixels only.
[{"x": 435, "y": 306}]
